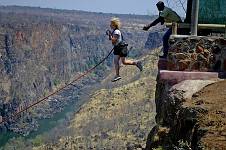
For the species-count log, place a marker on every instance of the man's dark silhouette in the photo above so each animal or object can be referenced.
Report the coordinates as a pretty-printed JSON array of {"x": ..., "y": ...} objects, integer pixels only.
[{"x": 165, "y": 15}]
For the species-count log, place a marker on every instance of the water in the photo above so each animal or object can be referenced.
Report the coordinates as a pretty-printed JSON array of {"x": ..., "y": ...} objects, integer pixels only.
[
  {"x": 45, "y": 124},
  {"x": 4, "y": 138}
]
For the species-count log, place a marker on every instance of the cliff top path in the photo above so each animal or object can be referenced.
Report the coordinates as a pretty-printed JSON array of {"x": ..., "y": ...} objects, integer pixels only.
[{"x": 213, "y": 99}]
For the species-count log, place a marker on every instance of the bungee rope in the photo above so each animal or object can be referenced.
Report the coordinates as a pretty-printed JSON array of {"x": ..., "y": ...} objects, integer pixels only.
[{"x": 57, "y": 91}]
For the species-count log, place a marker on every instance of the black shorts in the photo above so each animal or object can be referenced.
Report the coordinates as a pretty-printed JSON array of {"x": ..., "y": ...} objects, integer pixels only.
[{"x": 121, "y": 51}]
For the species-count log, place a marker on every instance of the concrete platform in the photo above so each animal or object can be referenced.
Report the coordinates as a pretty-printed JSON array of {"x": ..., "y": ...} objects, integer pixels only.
[{"x": 178, "y": 76}]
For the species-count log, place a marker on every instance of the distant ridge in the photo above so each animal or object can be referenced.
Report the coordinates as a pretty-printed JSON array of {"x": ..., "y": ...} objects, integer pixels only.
[{"x": 23, "y": 9}]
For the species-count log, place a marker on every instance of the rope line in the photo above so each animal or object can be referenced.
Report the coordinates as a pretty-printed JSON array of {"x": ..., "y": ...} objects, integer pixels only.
[{"x": 57, "y": 91}]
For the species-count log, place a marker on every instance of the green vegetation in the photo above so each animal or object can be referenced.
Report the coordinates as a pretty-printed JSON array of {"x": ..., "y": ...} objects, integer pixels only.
[
  {"x": 56, "y": 82},
  {"x": 38, "y": 141},
  {"x": 118, "y": 116},
  {"x": 16, "y": 143}
]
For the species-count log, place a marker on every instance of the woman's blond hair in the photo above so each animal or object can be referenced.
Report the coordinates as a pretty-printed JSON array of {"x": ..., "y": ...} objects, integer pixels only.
[{"x": 116, "y": 22}]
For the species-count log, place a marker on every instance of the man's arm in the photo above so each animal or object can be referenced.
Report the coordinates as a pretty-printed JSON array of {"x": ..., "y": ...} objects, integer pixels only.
[{"x": 155, "y": 22}]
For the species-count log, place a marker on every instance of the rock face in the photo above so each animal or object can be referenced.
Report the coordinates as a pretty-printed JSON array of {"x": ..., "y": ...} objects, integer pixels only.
[
  {"x": 117, "y": 116},
  {"x": 35, "y": 59},
  {"x": 46, "y": 48},
  {"x": 197, "y": 54},
  {"x": 190, "y": 114}
]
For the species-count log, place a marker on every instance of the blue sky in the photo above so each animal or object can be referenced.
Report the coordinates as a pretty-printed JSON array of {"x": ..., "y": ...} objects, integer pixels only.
[{"x": 143, "y": 7}]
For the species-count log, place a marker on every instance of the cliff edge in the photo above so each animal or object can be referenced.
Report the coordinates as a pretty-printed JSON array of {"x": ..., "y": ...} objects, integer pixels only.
[{"x": 190, "y": 101}]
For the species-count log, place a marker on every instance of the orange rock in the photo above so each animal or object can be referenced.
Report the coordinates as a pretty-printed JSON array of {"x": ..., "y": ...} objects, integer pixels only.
[
  {"x": 206, "y": 53},
  {"x": 194, "y": 56},
  {"x": 199, "y": 49},
  {"x": 184, "y": 65},
  {"x": 182, "y": 56},
  {"x": 171, "y": 65}
]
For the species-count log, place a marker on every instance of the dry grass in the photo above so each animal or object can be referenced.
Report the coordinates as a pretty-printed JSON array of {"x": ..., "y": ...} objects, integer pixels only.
[{"x": 118, "y": 116}]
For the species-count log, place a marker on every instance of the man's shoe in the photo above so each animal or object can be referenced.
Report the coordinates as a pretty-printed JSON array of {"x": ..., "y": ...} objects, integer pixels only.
[
  {"x": 116, "y": 78},
  {"x": 139, "y": 65}
]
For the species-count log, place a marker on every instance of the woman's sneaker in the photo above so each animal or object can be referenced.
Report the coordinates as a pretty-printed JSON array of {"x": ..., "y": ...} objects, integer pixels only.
[
  {"x": 139, "y": 65},
  {"x": 116, "y": 78}
]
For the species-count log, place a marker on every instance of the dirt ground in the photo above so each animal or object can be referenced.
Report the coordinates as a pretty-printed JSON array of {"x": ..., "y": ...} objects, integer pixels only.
[{"x": 213, "y": 99}]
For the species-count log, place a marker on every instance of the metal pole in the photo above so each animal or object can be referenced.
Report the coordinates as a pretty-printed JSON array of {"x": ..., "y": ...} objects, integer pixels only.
[
  {"x": 225, "y": 32},
  {"x": 194, "y": 17},
  {"x": 174, "y": 28}
]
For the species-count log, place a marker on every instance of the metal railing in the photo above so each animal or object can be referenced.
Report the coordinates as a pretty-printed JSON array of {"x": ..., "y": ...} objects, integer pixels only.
[{"x": 220, "y": 28}]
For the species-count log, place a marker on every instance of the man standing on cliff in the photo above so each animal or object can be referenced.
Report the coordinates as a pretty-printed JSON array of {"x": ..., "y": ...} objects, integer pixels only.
[{"x": 165, "y": 15}]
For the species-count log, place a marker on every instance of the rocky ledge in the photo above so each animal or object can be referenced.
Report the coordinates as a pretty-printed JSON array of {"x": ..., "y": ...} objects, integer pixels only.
[{"x": 190, "y": 115}]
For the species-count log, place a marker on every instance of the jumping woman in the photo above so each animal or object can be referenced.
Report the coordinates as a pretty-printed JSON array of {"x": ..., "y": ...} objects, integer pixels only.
[{"x": 116, "y": 37}]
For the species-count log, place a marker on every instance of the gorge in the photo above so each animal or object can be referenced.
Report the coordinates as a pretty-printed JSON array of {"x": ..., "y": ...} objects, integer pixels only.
[{"x": 43, "y": 49}]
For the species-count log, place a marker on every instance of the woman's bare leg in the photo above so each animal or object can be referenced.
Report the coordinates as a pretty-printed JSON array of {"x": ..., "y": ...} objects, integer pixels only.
[
  {"x": 128, "y": 62},
  {"x": 116, "y": 62}
]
